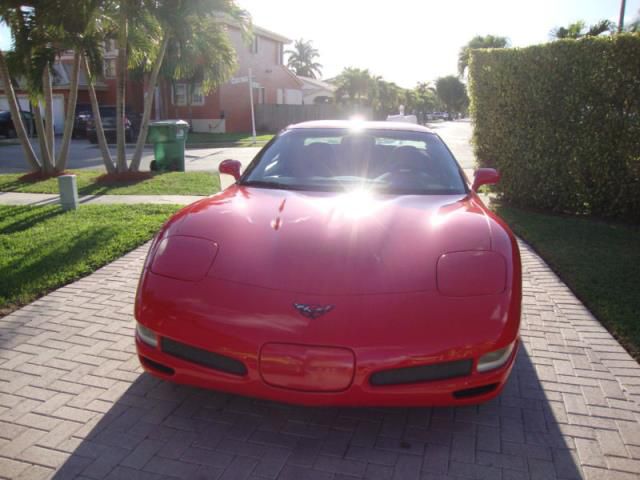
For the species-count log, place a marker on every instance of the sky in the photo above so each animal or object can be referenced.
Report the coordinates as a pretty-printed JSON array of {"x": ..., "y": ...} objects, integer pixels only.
[{"x": 410, "y": 41}]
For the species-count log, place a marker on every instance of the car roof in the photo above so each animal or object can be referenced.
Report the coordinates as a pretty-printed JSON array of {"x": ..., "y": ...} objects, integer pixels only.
[{"x": 366, "y": 125}]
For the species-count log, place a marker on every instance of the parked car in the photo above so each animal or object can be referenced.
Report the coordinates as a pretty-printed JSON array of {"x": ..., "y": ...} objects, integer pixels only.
[
  {"x": 351, "y": 264},
  {"x": 108, "y": 117},
  {"x": 7, "y": 128},
  {"x": 83, "y": 114}
]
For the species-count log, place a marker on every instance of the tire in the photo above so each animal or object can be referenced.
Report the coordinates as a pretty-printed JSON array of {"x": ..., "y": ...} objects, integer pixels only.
[
  {"x": 92, "y": 139},
  {"x": 153, "y": 166},
  {"x": 11, "y": 133}
]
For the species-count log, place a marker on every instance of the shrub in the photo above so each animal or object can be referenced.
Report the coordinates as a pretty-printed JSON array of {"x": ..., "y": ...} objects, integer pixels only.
[{"x": 562, "y": 123}]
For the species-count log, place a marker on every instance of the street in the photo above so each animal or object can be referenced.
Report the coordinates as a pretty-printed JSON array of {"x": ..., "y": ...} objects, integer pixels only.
[{"x": 83, "y": 154}]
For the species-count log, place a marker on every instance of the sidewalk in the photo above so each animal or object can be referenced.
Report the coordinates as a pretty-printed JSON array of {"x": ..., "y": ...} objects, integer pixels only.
[{"x": 39, "y": 199}]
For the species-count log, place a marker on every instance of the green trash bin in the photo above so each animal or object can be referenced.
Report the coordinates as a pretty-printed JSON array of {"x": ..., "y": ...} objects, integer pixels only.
[{"x": 168, "y": 138}]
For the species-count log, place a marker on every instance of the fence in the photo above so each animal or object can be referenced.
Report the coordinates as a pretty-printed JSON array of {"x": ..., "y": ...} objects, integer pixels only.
[{"x": 272, "y": 118}]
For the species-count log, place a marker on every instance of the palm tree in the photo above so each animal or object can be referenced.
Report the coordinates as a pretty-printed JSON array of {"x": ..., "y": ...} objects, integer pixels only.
[
  {"x": 7, "y": 81},
  {"x": 452, "y": 93},
  {"x": 488, "y": 41},
  {"x": 83, "y": 32},
  {"x": 302, "y": 59},
  {"x": 427, "y": 100},
  {"x": 199, "y": 46},
  {"x": 43, "y": 30},
  {"x": 388, "y": 97},
  {"x": 355, "y": 85},
  {"x": 31, "y": 59},
  {"x": 579, "y": 29}
]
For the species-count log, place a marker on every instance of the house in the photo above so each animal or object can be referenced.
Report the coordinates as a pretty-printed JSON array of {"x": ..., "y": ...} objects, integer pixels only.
[
  {"x": 316, "y": 92},
  {"x": 226, "y": 109}
]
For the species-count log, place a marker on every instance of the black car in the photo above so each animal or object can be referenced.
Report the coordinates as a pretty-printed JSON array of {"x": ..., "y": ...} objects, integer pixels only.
[
  {"x": 83, "y": 113},
  {"x": 108, "y": 116},
  {"x": 8, "y": 129}
]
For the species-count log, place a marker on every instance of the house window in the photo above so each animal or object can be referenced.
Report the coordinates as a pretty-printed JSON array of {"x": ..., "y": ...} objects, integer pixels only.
[
  {"x": 180, "y": 94},
  {"x": 110, "y": 68},
  {"x": 197, "y": 98},
  {"x": 279, "y": 54},
  {"x": 260, "y": 97},
  {"x": 254, "y": 44}
]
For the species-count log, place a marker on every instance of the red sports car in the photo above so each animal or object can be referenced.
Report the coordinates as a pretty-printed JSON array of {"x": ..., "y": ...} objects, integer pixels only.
[{"x": 351, "y": 264}]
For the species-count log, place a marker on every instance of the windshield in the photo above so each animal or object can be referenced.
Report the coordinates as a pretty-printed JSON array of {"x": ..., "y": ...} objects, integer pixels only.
[{"x": 401, "y": 162}]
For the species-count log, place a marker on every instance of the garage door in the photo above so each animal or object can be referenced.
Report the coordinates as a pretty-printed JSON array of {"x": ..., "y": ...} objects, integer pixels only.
[{"x": 58, "y": 109}]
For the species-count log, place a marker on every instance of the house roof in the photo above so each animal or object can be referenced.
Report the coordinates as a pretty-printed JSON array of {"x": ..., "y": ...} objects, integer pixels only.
[
  {"x": 256, "y": 29},
  {"x": 269, "y": 34},
  {"x": 315, "y": 84}
]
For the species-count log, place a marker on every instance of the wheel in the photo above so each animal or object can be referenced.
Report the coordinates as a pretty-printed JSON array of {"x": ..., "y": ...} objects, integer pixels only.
[
  {"x": 11, "y": 133},
  {"x": 153, "y": 166},
  {"x": 93, "y": 139}
]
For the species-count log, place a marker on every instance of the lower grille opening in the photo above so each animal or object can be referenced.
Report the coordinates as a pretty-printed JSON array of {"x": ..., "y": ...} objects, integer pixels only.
[
  {"x": 475, "y": 391},
  {"x": 422, "y": 373},
  {"x": 203, "y": 357},
  {"x": 158, "y": 367}
]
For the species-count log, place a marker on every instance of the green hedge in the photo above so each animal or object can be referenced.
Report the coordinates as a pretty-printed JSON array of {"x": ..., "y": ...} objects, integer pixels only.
[{"x": 562, "y": 123}]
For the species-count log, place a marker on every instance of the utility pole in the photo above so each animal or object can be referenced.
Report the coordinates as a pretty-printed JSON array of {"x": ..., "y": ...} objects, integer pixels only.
[
  {"x": 621, "y": 20},
  {"x": 253, "y": 116}
]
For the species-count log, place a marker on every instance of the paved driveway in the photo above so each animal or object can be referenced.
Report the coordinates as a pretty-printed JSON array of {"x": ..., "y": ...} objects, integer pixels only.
[{"x": 74, "y": 403}]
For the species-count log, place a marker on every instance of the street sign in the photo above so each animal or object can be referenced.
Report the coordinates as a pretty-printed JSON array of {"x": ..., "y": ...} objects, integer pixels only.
[{"x": 236, "y": 80}]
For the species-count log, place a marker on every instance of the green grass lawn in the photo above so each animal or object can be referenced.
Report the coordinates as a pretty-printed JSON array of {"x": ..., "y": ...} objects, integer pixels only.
[
  {"x": 43, "y": 248},
  {"x": 599, "y": 261},
  {"x": 238, "y": 139},
  {"x": 171, "y": 183}
]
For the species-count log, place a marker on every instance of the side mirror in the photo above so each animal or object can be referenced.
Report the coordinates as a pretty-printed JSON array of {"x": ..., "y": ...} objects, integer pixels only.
[
  {"x": 230, "y": 167},
  {"x": 485, "y": 176}
]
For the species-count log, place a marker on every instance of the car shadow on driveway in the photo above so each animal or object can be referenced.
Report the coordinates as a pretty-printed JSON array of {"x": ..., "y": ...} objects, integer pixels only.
[{"x": 156, "y": 429}]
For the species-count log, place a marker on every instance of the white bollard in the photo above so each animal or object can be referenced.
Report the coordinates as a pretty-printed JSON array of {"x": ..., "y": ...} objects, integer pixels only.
[{"x": 68, "y": 192}]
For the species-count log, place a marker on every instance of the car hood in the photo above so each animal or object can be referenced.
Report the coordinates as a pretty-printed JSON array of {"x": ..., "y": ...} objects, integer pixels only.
[{"x": 334, "y": 244}]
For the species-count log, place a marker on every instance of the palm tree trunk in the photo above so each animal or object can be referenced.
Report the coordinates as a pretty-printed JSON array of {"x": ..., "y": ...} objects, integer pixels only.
[
  {"x": 148, "y": 103},
  {"x": 18, "y": 124},
  {"x": 45, "y": 153},
  {"x": 48, "y": 113},
  {"x": 61, "y": 160},
  {"x": 97, "y": 120},
  {"x": 121, "y": 160}
]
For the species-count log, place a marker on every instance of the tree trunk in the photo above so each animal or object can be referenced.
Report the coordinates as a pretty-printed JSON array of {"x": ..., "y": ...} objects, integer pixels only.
[
  {"x": 97, "y": 120},
  {"x": 61, "y": 160},
  {"x": 121, "y": 159},
  {"x": 48, "y": 113},
  {"x": 45, "y": 153},
  {"x": 29, "y": 154},
  {"x": 148, "y": 103}
]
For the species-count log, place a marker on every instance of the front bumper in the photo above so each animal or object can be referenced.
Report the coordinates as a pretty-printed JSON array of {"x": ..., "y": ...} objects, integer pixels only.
[
  {"x": 464, "y": 390},
  {"x": 363, "y": 335}
]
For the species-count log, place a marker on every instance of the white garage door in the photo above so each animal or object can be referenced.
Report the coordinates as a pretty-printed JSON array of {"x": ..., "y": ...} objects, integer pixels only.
[{"x": 58, "y": 109}]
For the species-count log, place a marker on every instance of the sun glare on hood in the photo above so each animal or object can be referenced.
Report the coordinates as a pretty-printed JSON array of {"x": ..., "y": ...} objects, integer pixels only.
[
  {"x": 356, "y": 204},
  {"x": 357, "y": 124}
]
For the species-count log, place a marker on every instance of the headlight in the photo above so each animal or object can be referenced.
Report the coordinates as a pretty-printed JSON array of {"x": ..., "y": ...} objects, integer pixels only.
[
  {"x": 184, "y": 258},
  {"x": 146, "y": 335},
  {"x": 495, "y": 359},
  {"x": 471, "y": 273}
]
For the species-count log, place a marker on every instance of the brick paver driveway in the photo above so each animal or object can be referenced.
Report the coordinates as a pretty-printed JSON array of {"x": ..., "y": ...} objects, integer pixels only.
[{"x": 75, "y": 404}]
